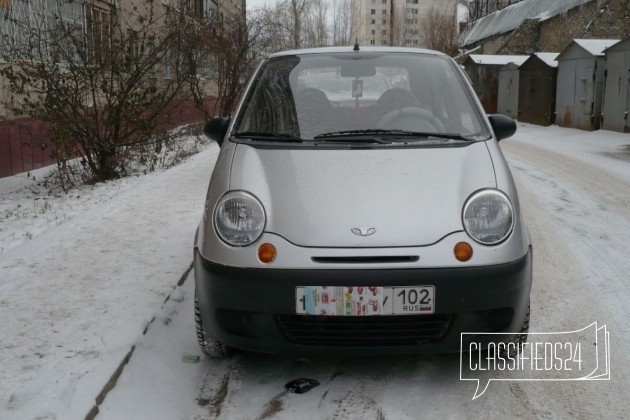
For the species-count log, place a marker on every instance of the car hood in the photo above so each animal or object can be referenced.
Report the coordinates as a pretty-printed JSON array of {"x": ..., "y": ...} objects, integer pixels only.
[{"x": 401, "y": 197}]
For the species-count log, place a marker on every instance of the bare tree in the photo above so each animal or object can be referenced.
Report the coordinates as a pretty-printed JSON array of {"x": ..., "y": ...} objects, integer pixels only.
[
  {"x": 293, "y": 24},
  {"x": 278, "y": 29},
  {"x": 225, "y": 50},
  {"x": 439, "y": 30},
  {"x": 297, "y": 10},
  {"x": 316, "y": 31},
  {"x": 342, "y": 22},
  {"x": 102, "y": 80}
]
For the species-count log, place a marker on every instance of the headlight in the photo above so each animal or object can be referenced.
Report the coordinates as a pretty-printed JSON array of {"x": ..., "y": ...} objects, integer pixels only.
[
  {"x": 239, "y": 218},
  {"x": 488, "y": 217}
]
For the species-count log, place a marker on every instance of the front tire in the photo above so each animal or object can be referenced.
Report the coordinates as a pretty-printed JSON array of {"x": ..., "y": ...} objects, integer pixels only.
[
  {"x": 210, "y": 346},
  {"x": 519, "y": 339}
]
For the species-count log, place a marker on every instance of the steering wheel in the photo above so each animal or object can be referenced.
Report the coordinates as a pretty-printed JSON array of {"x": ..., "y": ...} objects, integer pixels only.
[{"x": 411, "y": 119}]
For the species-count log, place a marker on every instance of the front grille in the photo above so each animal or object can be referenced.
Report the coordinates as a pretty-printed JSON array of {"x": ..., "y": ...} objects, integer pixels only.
[
  {"x": 357, "y": 331},
  {"x": 367, "y": 260}
]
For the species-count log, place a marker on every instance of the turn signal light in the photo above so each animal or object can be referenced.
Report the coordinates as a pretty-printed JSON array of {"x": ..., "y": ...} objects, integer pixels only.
[
  {"x": 463, "y": 251},
  {"x": 267, "y": 253}
]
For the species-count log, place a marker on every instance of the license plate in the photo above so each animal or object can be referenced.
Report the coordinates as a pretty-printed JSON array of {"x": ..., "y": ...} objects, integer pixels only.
[{"x": 364, "y": 301}]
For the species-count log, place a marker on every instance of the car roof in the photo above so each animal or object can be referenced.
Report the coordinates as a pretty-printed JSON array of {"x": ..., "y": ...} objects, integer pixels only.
[{"x": 329, "y": 50}]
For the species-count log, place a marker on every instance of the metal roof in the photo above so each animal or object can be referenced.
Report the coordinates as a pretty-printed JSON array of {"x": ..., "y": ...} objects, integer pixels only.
[
  {"x": 548, "y": 58},
  {"x": 622, "y": 45},
  {"x": 511, "y": 17},
  {"x": 498, "y": 60},
  {"x": 595, "y": 46}
]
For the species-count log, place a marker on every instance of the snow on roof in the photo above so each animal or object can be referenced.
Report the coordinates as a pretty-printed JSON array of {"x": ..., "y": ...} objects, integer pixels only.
[
  {"x": 511, "y": 17},
  {"x": 595, "y": 46},
  {"x": 548, "y": 58},
  {"x": 498, "y": 60},
  {"x": 622, "y": 45}
]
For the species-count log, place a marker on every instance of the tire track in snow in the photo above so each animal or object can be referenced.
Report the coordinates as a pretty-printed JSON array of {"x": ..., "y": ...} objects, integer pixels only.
[
  {"x": 213, "y": 392},
  {"x": 612, "y": 190},
  {"x": 578, "y": 217}
]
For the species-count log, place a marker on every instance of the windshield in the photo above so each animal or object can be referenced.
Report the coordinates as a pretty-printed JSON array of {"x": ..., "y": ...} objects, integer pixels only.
[{"x": 314, "y": 96}]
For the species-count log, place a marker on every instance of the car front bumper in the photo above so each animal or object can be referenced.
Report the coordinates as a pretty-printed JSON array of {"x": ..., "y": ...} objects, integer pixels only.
[{"x": 254, "y": 309}]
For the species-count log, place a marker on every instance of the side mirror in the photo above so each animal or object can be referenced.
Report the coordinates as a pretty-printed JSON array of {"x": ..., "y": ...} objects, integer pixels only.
[
  {"x": 216, "y": 128},
  {"x": 502, "y": 125}
]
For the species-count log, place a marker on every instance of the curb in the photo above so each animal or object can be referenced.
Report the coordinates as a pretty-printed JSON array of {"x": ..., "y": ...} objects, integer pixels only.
[{"x": 111, "y": 383}]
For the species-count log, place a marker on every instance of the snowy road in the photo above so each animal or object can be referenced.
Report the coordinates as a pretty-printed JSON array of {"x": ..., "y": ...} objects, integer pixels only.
[
  {"x": 575, "y": 191},
  {"x": 577, "y": 209}
]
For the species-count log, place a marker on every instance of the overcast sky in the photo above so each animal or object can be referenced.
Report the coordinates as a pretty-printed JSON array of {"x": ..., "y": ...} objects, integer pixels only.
[{"x": 251, "y": 4}]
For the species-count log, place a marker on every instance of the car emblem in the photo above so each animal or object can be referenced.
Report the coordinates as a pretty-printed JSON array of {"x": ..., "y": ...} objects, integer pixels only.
[{"x": 363, "y": 231}]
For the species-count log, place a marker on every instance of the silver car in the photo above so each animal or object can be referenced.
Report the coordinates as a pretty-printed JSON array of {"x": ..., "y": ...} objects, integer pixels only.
[{"x": 360, "y": 203}]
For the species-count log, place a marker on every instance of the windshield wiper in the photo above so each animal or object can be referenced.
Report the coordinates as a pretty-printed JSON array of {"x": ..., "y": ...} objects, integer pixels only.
[
  {"x": 268, "y": 136},
  {"x": 426, "y": 135},
  {"x": 395, "y": 133},
  {"x": 353, "y": 133}
]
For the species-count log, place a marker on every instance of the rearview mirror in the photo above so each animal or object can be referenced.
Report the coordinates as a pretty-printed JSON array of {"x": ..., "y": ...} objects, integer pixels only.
[
  {"x": 216, "y": 128},
  {"x": 502, "y": 125},
  {"x": 357, "y": 68}
]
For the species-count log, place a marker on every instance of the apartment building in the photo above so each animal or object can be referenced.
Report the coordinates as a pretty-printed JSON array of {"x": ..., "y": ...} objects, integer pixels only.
[
  {"x": 393, "y": 22},
  {"x": 94, "y": 19},
  {"x": 99, "y": 26}
]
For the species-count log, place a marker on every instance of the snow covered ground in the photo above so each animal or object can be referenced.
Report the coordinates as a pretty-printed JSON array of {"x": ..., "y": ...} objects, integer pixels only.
[{"x": 86, "y": 288}]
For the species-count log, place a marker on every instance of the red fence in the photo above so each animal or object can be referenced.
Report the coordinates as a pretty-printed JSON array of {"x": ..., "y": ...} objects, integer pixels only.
[
  {"x": 24, "y": 142},
  {"x": 24, "y": 146}
]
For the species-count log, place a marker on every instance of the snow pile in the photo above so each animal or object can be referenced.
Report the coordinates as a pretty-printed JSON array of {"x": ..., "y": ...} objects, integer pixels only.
[
  {"x": 34, "y": 201},
  {"x": 76, "y": 297}
]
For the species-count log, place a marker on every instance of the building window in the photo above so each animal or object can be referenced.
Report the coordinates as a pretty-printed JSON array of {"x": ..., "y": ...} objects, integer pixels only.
[
  {"x": 168, "y": 64},
  {"x": 99, "y": 35},
  {"x": 384, "y": 11},
  {"x": 372, "y": 11},
  {"x": 373, "y": 21},
  {"x": 384, "y": 32},
  {"x": 373, "y": 31},
  {"x": 372, "y": 42},
  {"x": 207, "y": 66}
]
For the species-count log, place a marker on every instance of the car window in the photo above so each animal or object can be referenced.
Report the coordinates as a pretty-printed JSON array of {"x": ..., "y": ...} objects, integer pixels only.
[
  {"x": 317, "y": 94},
  {"x": 338, "y": 89}
]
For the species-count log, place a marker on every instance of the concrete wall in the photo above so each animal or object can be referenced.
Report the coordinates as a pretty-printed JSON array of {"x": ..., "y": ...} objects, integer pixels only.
[{"x": 597, "y": 19}]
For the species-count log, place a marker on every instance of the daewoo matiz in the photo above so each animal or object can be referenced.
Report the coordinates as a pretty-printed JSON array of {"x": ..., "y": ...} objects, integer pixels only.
[{"x": 360, "y": 203}]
